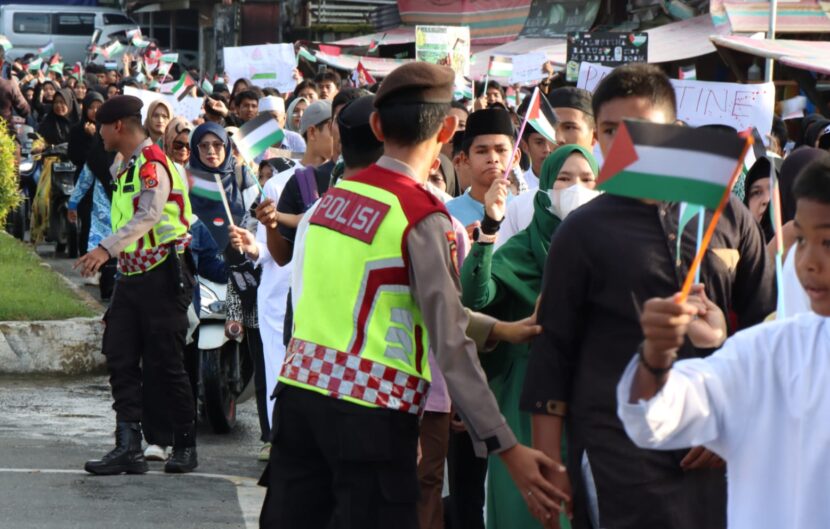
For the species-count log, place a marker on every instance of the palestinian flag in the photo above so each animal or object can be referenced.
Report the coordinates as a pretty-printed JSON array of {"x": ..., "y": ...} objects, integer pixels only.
[
  {"x": 7, "y": 45},
  {"x": 170, "y": 58},
  {"x": 46, "y": 50},
  {"x": 255, "y": 136},
  {"x": 500, "y": 66},
  {"x": 672, "y": 163},
  {"x": 264, "y": 76},
  {"x": 206, "y": 86},
  {"x": 56, "y": 67},
  {"x": 113, "y": 48},
  {"x": 139, "y": 42},
  {"x": 305, "y": 54},
  {"x": 133, "y": 34},
  {"x": 35, "y": 65},
  {"x": 164, "y": 70},
  {"x": 77, "y": 70},
  {"x": 205, "y": 186},
  {"x": 374, "y": 44},
  {"x": 541, "y": 116},
  {"x": 181, "y": 87}
]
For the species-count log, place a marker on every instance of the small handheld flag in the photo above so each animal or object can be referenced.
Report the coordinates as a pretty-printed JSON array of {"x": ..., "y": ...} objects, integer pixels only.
[
  {"x": 361, "y": 76},
  {"x": 500, "y": 66},
  {"x": 207, "y": 86},
  {"x": 534, "y": 104},
  {"x": 46, "y": 50},
  {"x": 170, "y": 58},
  {"x": 7, "y": 45},
  {"x": 183, "y": 85},
  {"x": 541, "y": 116},
  {"x": 255, "y": 136},
  {"x": 302, "y": 52}
]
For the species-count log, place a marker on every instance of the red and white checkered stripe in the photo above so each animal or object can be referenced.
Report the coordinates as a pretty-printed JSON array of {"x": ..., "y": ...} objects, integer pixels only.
[
  {"x": 145, "y": 259},
  {"x": 347, "y": 375}
]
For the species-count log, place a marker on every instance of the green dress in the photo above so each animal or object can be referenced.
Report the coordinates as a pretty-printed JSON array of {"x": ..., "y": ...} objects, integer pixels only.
[{"x": 505, "y": 284}]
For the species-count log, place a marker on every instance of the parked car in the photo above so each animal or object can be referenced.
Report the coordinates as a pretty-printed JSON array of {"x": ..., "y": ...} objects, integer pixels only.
[{"x": 70, "y": 28}]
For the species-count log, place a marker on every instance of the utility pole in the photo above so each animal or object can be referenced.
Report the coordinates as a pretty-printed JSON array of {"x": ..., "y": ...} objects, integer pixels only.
[{"x": 773, "y": 15}]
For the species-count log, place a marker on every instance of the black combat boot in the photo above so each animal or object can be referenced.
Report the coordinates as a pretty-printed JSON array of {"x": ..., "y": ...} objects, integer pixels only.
[
  {"x": 126, "y": 457},
  {"x": 183, "y": 459}
]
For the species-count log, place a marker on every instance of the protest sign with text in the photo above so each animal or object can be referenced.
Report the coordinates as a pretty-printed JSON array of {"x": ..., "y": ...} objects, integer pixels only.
[
  {"x": 266, "y": 65},
  {"x": 444, "y": 45},
  {"x": 706, "y": 102}
]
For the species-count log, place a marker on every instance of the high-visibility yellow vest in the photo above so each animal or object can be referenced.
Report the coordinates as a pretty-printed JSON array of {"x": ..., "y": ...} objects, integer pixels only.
[
  {"x": 358, "y": 333},
  {"x": 171, "y": 230}
]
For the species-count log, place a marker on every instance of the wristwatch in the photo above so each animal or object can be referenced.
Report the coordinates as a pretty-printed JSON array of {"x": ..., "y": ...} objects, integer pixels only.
[{"x": 484, "y": 238}]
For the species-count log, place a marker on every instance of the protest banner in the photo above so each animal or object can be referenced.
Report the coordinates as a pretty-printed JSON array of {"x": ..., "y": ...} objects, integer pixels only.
[
  {"x": 548, "y": 19},
  {"x": 611, "y": 48},
  {"x": 188, "y": 107},
  {"x": 527, "y": 68},
  {"x": 706, "y": 102},
  {"x": 267, "y": 65},
  {"x": 444, "y": 45}
]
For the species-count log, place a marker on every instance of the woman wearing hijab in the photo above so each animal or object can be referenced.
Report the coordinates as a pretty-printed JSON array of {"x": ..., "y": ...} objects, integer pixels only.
[
  {"x": 42, "y": 99},
  {"x": 295, "y": 113},
  {"x": 177, "y": 140},
  {"x": 65, "y": 112},
  {"x": 159, "y": 114},
  {"x": 757, "y": 195},
  {"x": 211, "y": 155},
  {"x": 81, "y": 138},
  {"x": 506, "y": 284}
]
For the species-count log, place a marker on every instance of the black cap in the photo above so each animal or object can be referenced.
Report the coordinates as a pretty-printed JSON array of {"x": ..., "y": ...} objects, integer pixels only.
[
  {"x": 488, "y": 121},
  {"x": 571, "y": 97},
  {"x": 119, "y": 107},
  {"x": 353, "y": 122}
]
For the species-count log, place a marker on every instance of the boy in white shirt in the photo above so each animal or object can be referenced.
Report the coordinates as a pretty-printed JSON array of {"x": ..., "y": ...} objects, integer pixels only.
[{"x": 761, "y": 402}]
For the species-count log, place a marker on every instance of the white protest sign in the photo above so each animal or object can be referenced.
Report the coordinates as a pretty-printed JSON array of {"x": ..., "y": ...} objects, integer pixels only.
[
  {"x": 527, "y": 68},
  {"x": 706, "y": 102},
  {"x": 267, "y": 65},
  {"x": 189, "y": 108}
]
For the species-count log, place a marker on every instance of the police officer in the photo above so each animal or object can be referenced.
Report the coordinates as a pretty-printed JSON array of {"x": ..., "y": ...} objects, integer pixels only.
[
  {"x": 147, "y": 317},
  {"x": 355, "y": 377}
]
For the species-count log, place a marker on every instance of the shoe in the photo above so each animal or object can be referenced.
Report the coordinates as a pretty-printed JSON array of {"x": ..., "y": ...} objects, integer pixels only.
[
  {"x": 183, "y": 459},
  {"x": 93, "y": 280},
  {"x": 265, "y": 453},
  {"x": 126, "y": 457},
  {"x": 155, "y": 453}
]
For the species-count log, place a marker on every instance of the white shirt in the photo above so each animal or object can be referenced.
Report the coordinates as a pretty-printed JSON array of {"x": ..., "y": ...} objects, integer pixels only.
[
  {"x": 531, "y": 180},
  {"x": 517, "y": 216},
  {"x": 762, "y": 403},
  {"x": 794, "y": 297}
]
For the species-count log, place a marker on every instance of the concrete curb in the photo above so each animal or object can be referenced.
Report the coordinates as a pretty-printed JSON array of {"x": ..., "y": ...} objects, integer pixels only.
[{"x": 68, "y": 347}]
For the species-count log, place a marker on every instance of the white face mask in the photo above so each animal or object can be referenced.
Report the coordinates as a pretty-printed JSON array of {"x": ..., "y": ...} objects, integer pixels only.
[{"x": 564, "y": 201}]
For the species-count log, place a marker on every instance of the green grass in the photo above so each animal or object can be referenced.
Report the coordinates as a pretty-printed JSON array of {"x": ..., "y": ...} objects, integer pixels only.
[{"x": 31, "y": 291}]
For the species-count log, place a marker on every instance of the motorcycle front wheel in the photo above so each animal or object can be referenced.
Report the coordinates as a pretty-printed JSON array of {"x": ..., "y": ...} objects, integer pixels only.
[{"x": 218, "y": 371}]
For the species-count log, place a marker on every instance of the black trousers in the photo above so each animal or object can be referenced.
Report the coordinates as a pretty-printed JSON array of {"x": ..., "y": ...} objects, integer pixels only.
[
  {"x": 337, "y": 465},
  {"x": 254, "y": 342},
  {"x": 145, "y": 327},
  {"x": 466, "y": 474}
]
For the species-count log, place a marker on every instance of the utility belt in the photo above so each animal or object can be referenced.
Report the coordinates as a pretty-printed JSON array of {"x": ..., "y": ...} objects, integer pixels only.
[
  {"x": 351, "y": 377},
  {"x": 146, "y": 259}
]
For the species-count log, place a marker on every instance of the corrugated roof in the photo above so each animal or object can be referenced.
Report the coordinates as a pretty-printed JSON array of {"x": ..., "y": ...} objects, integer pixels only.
[{"x": 804, "y": 16}]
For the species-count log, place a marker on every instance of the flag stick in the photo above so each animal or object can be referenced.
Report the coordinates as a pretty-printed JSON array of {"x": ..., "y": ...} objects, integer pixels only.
[
  {"x": 521, "y": 133},
  {"x": 224, "y": 198},
  {"x": 777, "y": 224},
  {"x": 707, "y": 237},
  {"x": 699, "y": 239}
]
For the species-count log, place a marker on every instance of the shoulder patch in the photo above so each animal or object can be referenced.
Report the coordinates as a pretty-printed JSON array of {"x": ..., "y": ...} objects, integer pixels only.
[
  {"x": 453, "y": 243},
  {"x": 148, "y": 175}
]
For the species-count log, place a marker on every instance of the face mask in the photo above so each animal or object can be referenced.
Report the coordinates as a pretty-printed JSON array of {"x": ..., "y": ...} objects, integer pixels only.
[{"x": 564, "y": 201}]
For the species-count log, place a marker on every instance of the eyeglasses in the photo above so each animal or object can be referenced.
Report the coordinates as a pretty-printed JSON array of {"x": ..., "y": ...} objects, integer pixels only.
[
  {"x": 207, "y": 146},
  {"x": 179, "y": 145}
]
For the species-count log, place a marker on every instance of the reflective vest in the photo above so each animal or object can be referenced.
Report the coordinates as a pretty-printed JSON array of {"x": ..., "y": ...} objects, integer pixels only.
[
  {"x": 170, "y": 231},
  {"x": 358, "y": 333}
]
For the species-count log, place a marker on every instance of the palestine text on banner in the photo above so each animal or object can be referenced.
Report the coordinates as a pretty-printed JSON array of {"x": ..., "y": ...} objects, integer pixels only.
[
  {"x": 255, "y": 136},
  {"x": 541, "y": 116},
  {"x": 671, "y": 163}
]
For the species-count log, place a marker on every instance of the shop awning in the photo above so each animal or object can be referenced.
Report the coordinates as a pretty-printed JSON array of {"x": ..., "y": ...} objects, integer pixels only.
[
  {"x": 812, "y": 55},
  {"x": 376, "y": 66},
  {"x": 399, "y": 35},
  {"x": 681, "y": 40},
  {"x": 804, "y": 16}
]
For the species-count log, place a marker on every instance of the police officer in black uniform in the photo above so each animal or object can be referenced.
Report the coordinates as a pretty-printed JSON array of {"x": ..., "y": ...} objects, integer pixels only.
[{"x": 147, "y": 318}]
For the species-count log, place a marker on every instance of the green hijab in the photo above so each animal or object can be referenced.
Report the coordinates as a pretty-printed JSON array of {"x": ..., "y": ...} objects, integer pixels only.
[{"x": 519, "y": 263}]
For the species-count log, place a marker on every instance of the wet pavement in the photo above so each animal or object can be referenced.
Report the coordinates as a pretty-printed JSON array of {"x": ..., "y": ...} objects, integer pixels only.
[{"x": 49, "y": 426}]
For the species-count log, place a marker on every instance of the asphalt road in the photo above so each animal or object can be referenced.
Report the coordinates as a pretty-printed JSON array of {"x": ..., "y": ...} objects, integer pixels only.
[{"x": 50, "y": 426}]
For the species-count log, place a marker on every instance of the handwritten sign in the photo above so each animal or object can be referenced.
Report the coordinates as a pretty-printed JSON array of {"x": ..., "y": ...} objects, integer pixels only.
[
  {"x": 266, "y": 65},
  {"x": 707, "y": 103},
  {"x": 527, "y": 68},
  {"x": 444, "y": 45},
  {"x": 189, "y": 107}
]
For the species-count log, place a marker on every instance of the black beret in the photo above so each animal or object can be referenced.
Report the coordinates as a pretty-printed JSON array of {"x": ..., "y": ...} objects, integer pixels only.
[
  {"x": 571, "y": 97},
  {"x": 118, "y": 107},
  {"x": 416, "y": 82},
  {"x": 489, "y": 121}
]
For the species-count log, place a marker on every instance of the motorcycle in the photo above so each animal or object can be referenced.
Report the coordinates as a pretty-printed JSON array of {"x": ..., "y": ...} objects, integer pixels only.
[
  {"x": 53, "y": 165},
  {"x": 17, "y": 222},
  {"x": 225, "y": 368}
]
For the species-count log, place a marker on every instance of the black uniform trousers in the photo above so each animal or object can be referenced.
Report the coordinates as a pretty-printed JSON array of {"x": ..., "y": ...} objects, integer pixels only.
[
  {"x": 146, "y": 325},
  {"x": 253, "y": 340},
  {"x": 466, "y": 475},
  {"x": 338, "y": 465}
]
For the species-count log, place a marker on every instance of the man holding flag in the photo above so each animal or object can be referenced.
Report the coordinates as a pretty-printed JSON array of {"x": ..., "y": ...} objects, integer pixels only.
[
  {"x": 608, "y": 258},
  {"x": 147, "y": 318}
]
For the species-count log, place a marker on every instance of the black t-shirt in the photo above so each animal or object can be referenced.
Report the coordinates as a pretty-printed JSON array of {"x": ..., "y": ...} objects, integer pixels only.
[{"x": 291, "y": 200}]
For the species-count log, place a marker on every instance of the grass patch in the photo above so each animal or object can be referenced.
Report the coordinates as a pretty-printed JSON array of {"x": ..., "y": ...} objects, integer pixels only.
[{"x": 31, "y": 291}]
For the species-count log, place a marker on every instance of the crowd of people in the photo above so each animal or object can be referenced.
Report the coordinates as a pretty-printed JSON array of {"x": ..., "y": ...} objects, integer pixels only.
[{"x": 397, "y": 227}]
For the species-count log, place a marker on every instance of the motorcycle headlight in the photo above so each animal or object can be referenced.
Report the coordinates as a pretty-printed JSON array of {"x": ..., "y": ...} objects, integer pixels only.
[
  {"x": 206, "y": 296},
  {"x": 217, "y": 307},
  {"x": 26, "y": 166}
]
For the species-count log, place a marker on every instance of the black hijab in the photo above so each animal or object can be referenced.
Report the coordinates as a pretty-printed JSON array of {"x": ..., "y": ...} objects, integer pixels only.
[
  {"x": 79, "y": 140},
  {"x": 790, "y": 169},
  {"x": 759, "y": 170},
  {"x": 55, "y": 129}
]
